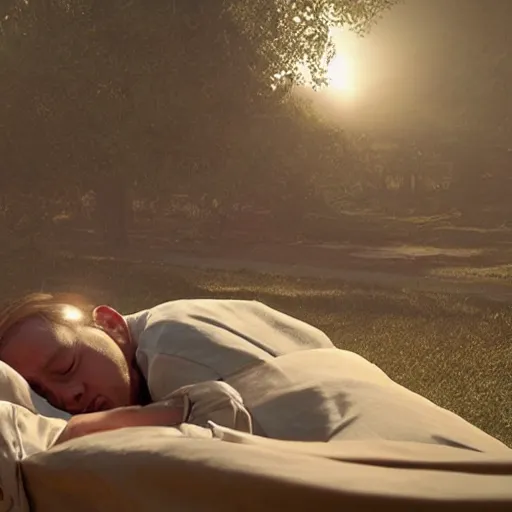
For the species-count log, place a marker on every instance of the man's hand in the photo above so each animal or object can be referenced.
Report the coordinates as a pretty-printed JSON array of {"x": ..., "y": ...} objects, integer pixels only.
[
  {"x": 214, "y": 401},
  {"x": 166, "y": 414}
]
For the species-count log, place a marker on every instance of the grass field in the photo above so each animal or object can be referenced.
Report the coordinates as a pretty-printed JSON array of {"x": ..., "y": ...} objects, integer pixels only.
[
  {"x": 496, "y": 273},
  {"x": 455, "y": 351}
]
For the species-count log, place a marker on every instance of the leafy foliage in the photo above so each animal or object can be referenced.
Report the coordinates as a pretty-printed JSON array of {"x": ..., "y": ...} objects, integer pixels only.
[
  {"x": 293, "y": 36},
  {"x": 157, "y": 95}
]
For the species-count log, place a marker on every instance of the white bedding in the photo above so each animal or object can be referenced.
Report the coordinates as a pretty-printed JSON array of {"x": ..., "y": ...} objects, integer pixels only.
[
  {"x": 23, "y": 432},
  {"x": 15, "y": 389},
  {"x": 156, "y": 469},
  {"x": 45, "y": 409}
]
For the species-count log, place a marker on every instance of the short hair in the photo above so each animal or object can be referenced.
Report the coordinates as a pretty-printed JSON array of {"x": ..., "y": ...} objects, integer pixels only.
[{"x": 51, "y": 308}]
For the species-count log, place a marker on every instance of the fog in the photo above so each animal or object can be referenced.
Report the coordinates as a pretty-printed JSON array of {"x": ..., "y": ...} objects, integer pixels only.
[{"x": 427, "y": 66}]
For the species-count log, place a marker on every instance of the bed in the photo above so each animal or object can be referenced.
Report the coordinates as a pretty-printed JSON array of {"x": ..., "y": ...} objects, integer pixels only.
[{"x": 192, "y": 468}]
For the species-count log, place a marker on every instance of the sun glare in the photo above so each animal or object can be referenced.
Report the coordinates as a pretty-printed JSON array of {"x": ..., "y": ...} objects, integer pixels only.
[
  {"x": 340, "y": 74},
  {"x": 71, "y": 313}
]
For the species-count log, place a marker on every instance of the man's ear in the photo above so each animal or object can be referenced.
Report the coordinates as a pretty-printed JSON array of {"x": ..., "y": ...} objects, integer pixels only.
[{"x": 113, "y": 323}]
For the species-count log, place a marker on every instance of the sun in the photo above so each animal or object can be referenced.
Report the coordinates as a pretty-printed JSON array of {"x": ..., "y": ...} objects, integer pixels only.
[{"x": 340, "y": 74}]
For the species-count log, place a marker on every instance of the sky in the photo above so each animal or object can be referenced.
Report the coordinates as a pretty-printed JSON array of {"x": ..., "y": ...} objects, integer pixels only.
[{"x": 428, "y": 65}]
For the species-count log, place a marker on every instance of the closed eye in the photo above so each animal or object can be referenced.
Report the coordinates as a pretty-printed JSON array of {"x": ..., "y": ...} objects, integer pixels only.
[
  {"x": 67, "y": 364},
  {"x": 69, "y": 368}
]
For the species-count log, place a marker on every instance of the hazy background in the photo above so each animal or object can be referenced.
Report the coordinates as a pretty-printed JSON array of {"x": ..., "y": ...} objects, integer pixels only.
[
  {"x": 145, "y": 157},
  {"x": 440, "y": 66}
]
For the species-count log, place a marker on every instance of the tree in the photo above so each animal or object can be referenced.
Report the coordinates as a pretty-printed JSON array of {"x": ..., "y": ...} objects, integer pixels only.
[
  {"x": 293, "y": 36},
  {"x": 108, "y": 95}
]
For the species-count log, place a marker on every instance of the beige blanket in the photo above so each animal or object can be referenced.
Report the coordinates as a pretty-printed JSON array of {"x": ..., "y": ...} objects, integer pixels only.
[
  {"x": 206, "y": 469},
  {"x": 193, "y": 469}
]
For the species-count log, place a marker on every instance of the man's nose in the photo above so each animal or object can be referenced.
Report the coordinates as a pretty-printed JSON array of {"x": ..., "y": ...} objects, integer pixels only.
[{"x": 73, "y": 397}]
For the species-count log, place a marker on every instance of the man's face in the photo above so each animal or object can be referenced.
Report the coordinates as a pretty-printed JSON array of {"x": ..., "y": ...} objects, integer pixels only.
[{"x": 76, "y": 368}]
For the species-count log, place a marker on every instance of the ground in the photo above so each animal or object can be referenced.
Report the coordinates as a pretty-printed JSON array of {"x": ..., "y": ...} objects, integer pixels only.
[
  {"x": 425, "y": 254},
  {"x": 454, "y": 348}
]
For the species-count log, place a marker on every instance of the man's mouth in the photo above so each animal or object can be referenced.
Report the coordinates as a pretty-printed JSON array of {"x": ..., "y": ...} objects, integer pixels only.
[{"x": 98, "y": 404}]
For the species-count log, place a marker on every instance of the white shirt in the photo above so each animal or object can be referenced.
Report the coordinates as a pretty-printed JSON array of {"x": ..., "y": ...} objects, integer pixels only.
[
  {"x": 188, "y": 341},
  {"x": 293, "y": 381}
]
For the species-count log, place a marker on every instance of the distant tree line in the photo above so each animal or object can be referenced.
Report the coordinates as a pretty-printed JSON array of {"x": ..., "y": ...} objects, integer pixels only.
[
  {"x": 129, "y": 98},
  {"x": 113, "y": 109}
]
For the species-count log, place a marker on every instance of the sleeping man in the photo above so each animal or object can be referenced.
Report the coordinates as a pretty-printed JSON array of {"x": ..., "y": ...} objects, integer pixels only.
[{"x": 240, "y": 364}]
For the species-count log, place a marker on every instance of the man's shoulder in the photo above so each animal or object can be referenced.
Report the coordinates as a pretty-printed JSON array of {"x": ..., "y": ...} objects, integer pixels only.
[
  {"x": 197, "y": 335},
  {"x": 190, "y": 308},
  {"x": 188, "y": 312},
  {"x": 189, "y": 323}
]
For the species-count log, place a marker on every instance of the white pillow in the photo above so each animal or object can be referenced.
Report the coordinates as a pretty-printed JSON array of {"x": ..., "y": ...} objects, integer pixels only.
[
  {"x": 15, "y": 389},
  {"x": 45, "y": 409},
  {"x": 24, "y": 431}
]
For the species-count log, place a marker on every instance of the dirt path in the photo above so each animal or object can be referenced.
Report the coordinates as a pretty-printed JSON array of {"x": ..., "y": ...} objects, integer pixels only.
[{"x": 365, "y": 275}]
